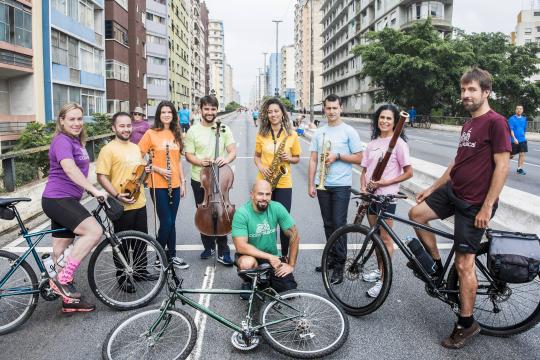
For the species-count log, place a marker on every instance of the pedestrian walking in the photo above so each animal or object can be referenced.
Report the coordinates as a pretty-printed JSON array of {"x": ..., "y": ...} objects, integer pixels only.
[{"x": 518, "y": 127}]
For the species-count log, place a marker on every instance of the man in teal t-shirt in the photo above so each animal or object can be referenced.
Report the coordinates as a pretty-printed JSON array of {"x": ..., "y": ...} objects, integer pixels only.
[{"x": 254, "y": 235}]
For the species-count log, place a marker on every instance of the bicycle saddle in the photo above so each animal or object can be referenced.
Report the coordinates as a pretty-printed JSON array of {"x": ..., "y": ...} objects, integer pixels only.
[
  {"x": 261, "y": 269},
  {"x": 9, "y": 201}
]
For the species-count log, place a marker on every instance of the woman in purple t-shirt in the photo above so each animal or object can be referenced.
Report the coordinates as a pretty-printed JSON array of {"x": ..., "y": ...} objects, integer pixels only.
[
  {"x": 69, "y": 164},
  {"x": 397, "y": 170}
]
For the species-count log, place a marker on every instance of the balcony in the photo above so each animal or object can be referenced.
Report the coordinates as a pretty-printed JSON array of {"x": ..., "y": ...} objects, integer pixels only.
[
  {"x": 438, "y": 23},
  {"x": 11, "y": 126}
]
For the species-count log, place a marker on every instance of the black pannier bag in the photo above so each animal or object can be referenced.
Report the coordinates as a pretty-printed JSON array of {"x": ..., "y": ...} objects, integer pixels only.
[
  {"x": 6, "y": 213},
  {"x": 513, "y": 257}
]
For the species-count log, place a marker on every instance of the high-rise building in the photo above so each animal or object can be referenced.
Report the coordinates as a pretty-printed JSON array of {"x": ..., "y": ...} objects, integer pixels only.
[
  {"x": 179, "y": 30},
  {"x": 156, "y": 54},
  {"x": 198, "y": 53},
  {"x": 287, "y": 85},
  {"x": 21, "y": 77},
  {"x": 73, "y": 41},
  {"x": 274, "y": 74},
  {"x": 228, "y": 86},
  {"x": 345, "y": 22},
  {"x": 216, "y": 52},
  {"x": 205, "y": 24},
  {"x": 528, "y": 30},
  {"x": 125, "y": 54},
  {"x": 308, "y": 53}
]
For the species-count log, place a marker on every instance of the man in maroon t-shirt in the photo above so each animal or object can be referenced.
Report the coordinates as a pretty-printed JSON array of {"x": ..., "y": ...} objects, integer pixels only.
[{"x": 469, "y": 190}]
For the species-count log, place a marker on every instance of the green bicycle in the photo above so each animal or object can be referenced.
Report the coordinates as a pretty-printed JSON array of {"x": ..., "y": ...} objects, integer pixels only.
[{"x": 295, "y": 323}]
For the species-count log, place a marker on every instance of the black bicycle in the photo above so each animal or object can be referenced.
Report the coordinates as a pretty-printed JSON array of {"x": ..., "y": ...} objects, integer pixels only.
[
  {"x": 129, "y": 254},
  {"x": 501, "y": 309}
]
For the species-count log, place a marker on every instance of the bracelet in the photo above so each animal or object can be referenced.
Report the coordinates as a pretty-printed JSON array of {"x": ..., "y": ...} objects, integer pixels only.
[
  {"x": 116, "y": 196},
  {"x": 338, "y": 156}
]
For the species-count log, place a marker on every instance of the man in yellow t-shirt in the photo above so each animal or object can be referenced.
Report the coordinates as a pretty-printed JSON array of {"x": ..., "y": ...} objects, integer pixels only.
[
  {"x": 199, "y": 147},
  {"x": 116, "y": 162}
]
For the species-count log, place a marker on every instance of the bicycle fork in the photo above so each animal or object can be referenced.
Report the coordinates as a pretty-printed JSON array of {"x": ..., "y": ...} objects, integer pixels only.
[{"x": 115, "y": 244}]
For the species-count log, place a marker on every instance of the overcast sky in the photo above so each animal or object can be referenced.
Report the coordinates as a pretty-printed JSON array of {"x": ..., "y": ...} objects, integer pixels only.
[{"x": 249, "y": 30}]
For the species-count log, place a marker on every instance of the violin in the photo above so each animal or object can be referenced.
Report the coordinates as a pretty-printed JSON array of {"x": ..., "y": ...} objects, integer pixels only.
[
  {"x": 214, "y": 214},
  {"x": 133, "y": 186}
]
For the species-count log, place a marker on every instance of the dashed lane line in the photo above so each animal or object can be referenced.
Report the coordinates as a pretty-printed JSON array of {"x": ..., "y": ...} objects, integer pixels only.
[{"x": 200, "y": 318}]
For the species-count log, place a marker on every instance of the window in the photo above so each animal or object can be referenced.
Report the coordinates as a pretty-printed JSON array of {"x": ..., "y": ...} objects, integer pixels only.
[
  {"x": 155, "y": 40},
  {"x": 155, "y": 18},
  {"x": 86, "y": 16},
  {"x": 527, "y": 41},
  {"x": 91, "y": 59},
  {"x": 16, "y": 24},
  {"x": 4, "y": 22},
  {"x": 73, "y": 53},
  {"x": 528, "y": 31},
  {"x": 59, "y": 44},
  {"x": 92, "y": 101},
  {"x": 115, "y": 31},
  {"x": 156, "y": 60},
  {"x": 116, "y": 70},
  {"x": 123, "y": 3},
  {"x": 537, "y": 13},
  {"x": 538, "y": 29},
  {"x": 157, "y": 82}
]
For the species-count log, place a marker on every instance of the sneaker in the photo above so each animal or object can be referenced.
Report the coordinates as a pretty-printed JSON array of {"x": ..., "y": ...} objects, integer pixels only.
[
  {"x": 67, "y": 291},
  {"x": 372, "y": 276},
  {"x": 125, "y": 284},
  {"x": 319, "y": 268},
  {"x": 337, "y": 275},
  {"x": 207, "y": 254},
  {"x": 179, "y": 263},
  {"x": 523, "y": 172},
  {"x": 519, "y": 170},
  {"x": 225, "y": 260},
  {"x": 460, "y": 335},
  {"x": 157, "y": 265},
  {"x": 77, "y": 306},
  {"x": 245, "y": 286},
  {"x": 375, "y": 290},
  {"x": 145, "y": 276}
]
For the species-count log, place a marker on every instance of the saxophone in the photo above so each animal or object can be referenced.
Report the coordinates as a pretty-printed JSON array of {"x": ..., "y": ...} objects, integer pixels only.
[
  {"x": 169, "y": 180},
  {"x": 277, "y": 168},
  {"x": 323, "y": 170}
]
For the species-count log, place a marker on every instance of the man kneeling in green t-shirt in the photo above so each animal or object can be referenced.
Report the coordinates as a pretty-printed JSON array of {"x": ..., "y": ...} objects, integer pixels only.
[{"x": 254, "y": 235}]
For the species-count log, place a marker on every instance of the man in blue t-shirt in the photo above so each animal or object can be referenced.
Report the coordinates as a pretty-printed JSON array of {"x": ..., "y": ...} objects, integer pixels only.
[
  {"x": 254, "y": 235},
  {"x": 255, "y": 115},
  {"x": 333, "y": 190},
  {"x": 518, "y": 126},
  {"x": 185, "y": 118},
  {"x": 412, "y": 116}
]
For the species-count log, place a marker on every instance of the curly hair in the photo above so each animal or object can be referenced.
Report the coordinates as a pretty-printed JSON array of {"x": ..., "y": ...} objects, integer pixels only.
[
  {"x": 174, "y": 126},
  {"x": 375, "y": 131},
  {"x": 265, "y": 127}
]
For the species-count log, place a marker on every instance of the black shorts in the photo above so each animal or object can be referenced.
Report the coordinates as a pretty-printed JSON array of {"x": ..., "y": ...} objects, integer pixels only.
[
  {"x": 135, "y": 219},
  {"x": 65, "y": 213},
  {"x": 445, "y": 203},
  {"x": 185, "y": 127},
  {"x": 519, "y": 148},
  {"x": 280, "y": 284},
  {"x": 374, "y": 208}
]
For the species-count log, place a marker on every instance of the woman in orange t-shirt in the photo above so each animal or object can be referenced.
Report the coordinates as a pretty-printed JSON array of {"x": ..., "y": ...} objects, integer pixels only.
[{"x": 167, "y": 184}]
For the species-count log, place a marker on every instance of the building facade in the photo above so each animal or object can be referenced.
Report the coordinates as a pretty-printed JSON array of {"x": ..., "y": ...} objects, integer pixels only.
[
  {"x": 273, "y": 74},
  {"x": 198, "y": 53},
  {"x": 228, "y": 86},
  {"x": 125, "y": 54},
  {"x": 205, "y": 24},
  {"x": 216, "y": 53},
  {"x": 21, "y": 77},
  {"x": 308, "y": 52},
  {"x": 74, "y": 56},
  {"x": 528, "y": 30},
  {"x": 179, "y": 33},
  {"x": 345, "y": 22},
  {"x": 157, "y": 46},
  {"x": 287, "y": 85}
]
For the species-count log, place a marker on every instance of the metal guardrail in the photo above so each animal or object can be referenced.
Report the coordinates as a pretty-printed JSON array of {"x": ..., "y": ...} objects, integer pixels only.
[{"x": 8, "y": 159}]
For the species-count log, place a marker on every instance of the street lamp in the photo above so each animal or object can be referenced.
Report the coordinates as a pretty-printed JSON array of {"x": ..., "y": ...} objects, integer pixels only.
[
  {"x": 277, "y": 56},
  {"x": 311, "y": 75}
]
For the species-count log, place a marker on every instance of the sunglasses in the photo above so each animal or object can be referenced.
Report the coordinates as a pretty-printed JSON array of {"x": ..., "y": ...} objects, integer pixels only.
[{"x": 138, "y": 114}]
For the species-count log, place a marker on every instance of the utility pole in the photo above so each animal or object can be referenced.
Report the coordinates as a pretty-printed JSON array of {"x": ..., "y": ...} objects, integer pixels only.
[
  {"x": 311, "y": 75},
  {"x": 277, "y": 56},
  {"x": 264, "y": 72},
  {"x": 259, "y": 89}
]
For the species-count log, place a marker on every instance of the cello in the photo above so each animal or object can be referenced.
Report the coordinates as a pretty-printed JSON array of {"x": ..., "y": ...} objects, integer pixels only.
[{"x": 214, "y": 214}]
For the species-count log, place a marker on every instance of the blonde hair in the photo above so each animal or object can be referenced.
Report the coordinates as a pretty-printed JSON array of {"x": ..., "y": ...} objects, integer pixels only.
[{"x": 62, "y": 114}]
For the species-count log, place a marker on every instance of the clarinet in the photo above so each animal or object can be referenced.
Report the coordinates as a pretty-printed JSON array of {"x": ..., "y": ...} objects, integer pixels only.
[{"x": 169, "y": 183}]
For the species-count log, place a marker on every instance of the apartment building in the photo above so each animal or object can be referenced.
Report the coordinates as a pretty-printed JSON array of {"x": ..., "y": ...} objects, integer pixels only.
[
  {"x": 228, "y": 84},
  {"x": 205, "y": 24},
  {"x": 274, "y": 74},
  {"x": 528, "y": 30},
  {"x": 157, "y": 68},
  {"x": 179, "y": 33},
  {"x": 198, "y": 53},
  {"x": 216, "y": 53},
  {"x": 74, "y": 56},
  {"x": 308, "y": 52},
  {"x": 287, "y": 83},
  {"x": 125, "y": 54},
  {"x": 21, "y": 77},
  {"x": 345, "y": 22}
]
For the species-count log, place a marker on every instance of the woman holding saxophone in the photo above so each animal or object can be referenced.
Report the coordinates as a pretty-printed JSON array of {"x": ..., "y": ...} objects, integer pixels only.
[
  {"x": 166, "y": 182},
  {"x": 276, "y": 147},
  {"x": 334, "y": 149}
]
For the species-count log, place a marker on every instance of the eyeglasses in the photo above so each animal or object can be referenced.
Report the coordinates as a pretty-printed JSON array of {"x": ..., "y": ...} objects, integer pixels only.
[{"x": 137, "y": 114}]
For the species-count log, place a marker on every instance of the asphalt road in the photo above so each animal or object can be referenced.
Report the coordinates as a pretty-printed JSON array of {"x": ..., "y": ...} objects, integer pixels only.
[{"x": 410, "y": 325}]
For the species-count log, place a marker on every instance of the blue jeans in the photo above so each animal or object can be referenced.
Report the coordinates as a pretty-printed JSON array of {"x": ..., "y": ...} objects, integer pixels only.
[
  {"x": 334, "y": 204},
  {"x": 167, "y": 217}
]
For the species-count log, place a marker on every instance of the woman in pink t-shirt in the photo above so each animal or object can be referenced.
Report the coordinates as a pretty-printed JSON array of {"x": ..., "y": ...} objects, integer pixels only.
[{"x": 397, "y": 170}]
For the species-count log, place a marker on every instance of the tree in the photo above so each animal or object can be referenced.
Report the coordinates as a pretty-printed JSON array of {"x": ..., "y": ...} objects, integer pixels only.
[
  {"x": 286, "y": 102},
  {"x": 233, "y": 105}
]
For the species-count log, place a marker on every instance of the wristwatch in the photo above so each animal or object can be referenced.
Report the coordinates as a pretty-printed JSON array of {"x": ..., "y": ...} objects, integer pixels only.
[{"x": 338, "y": 156}]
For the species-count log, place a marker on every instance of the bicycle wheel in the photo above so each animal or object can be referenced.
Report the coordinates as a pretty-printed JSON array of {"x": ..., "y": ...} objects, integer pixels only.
[
  {"x": 173, "y": 337},
  {"x": 16, "y": 309},
  {"x": 513, "y": 309},
  {"x": 320, "y": 328},
  {"x": 351, "y": 293},
  {"x": 106, "y": 275}
]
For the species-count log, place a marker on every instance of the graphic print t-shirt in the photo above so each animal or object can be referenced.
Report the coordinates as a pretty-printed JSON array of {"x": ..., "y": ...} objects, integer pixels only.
[
  {"x": 157, "y": 141},
  {"x": 481, "y": 137}
]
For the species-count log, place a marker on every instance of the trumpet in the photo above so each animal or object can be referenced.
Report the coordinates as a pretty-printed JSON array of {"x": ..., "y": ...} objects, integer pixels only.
[{"x": 323, "y": 170}]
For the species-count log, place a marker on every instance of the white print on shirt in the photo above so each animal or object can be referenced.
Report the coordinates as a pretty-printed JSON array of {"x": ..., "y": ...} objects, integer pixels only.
[
  {"x": 263, "y": 229},
  {"x": 376, "y": 153},
  {"x": 84, "y": 155},
  {"x": 464, "y": 140},
  {"x": 171, "y": 143}
]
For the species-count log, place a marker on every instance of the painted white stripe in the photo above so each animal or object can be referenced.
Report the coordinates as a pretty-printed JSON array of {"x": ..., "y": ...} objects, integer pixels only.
[
  {"x": 320, "y": 246},
  {"x": 423, "y": 141},
  {"x": 526, "y": 163},
  {"x": 200, "y": 318}
]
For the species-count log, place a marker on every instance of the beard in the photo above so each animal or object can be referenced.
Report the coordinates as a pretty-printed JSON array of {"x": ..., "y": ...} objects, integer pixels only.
[
  {"x": 123, "y": 137},
  {"x": 262, "y": 206},
  {"x": 472, "y": 106},
  {"x": 208, "y": 118}
]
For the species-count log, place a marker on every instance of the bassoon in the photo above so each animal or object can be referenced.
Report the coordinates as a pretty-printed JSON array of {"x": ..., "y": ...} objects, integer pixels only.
[{"x": 381, "y": 165}]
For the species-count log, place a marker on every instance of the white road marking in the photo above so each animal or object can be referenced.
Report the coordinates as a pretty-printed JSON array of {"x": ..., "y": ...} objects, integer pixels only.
[
  {"x": 200, "y": 318},
  {"x": 423, "y": 141},
  {"x": 526, "y": 163}
]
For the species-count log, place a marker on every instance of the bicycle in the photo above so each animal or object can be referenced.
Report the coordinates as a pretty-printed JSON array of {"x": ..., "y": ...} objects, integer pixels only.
[
  {"x": 296, "y": 323},
  {"x": 20, "y": 288},
  {"x": 501, "y": 309}
]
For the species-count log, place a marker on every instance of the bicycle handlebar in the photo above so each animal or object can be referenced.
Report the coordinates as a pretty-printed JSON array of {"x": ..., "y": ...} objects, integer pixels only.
[{"x": 377, "y": 197}]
